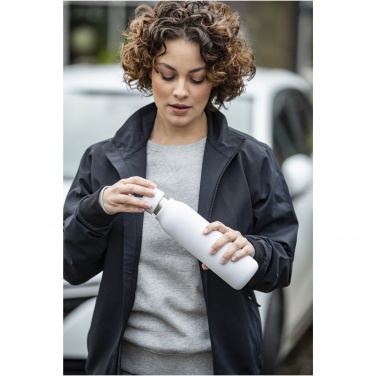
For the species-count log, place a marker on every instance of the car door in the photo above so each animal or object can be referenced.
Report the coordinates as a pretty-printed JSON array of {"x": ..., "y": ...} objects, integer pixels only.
[{"x": 293, "y": 145}]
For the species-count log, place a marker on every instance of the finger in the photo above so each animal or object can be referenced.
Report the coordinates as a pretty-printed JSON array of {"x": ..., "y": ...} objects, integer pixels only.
[
  {"x": 219, "y": 226},
  {"x": 204, "y": 267},
  {"x": 118, "y": 208},
  {"x": 130, "y": 202},
  {"x": 248, "y": 250},
  {"x": 132, "y": 209},
  {"x": 238, "y": 244},
  {"x": 134, "y": 189},
  {"x": 117, "y": 202},
  {"x": 227, "y": 237},
  {"x": 140, "y": 181}
]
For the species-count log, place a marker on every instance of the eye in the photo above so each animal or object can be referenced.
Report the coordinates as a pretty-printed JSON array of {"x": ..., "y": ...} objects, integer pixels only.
[
  {"x": 167, "y": 78},
  {"x": 197, "y": 82}
]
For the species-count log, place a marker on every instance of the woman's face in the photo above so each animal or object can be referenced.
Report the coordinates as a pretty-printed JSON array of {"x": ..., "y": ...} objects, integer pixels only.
[{"x": 180, "y": 88}]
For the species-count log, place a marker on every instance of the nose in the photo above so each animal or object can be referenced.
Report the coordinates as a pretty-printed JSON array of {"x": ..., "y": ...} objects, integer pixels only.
[{"x": 180, "y": 90}]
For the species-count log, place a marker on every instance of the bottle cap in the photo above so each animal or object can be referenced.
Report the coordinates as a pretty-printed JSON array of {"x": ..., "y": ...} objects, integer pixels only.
[{"x": 154, "y": 201}]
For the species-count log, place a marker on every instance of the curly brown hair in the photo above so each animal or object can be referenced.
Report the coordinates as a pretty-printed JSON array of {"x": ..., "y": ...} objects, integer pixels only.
[{"x": 211, "y": 24}]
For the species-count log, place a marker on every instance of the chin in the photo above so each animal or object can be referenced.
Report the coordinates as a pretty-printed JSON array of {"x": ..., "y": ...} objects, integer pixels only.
[{"x": 180, "y": 121}]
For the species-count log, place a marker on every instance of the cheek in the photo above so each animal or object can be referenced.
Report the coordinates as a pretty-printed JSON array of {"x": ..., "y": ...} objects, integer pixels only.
[
  {"x": 204, "y": 93},
  {"x": 161, "y": 90}
]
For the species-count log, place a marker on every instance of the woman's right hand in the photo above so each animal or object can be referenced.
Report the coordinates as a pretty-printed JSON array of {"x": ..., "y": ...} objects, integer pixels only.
[{"x": 119, "y": 197}]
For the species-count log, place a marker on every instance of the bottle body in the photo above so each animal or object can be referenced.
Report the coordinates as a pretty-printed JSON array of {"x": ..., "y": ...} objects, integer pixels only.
[{"x": 186, "y": 226}]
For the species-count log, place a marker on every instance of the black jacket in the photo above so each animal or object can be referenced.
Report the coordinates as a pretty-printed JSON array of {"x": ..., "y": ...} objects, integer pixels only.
[{"x": 241, "y": 186}]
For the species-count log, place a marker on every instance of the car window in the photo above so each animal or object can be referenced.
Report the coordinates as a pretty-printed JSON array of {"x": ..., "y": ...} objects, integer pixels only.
[
  {"x": 239, "y": 114},
  {"x": 292, "y": 124},
  {"x": 93, "y": 116}
]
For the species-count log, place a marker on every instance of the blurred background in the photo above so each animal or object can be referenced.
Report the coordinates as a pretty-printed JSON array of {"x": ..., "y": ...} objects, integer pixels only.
[
  {"x": 279, "y": 31},
  {"x": 281, "y": 34}
]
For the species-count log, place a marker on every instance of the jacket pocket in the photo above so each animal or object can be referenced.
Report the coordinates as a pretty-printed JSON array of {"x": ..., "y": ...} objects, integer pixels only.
[{"x": 252, "y": 297}]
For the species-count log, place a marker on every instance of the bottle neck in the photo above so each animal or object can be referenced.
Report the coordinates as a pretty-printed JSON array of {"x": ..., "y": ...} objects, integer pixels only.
[{"x": 160, "y": 205}]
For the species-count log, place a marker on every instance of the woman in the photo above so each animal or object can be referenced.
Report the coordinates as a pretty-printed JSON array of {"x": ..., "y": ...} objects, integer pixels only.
[{"x": 158, "y": 311}]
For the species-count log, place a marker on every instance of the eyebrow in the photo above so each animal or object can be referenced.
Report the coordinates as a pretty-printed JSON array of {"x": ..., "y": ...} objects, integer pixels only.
[{"x": 172, "y": 68}]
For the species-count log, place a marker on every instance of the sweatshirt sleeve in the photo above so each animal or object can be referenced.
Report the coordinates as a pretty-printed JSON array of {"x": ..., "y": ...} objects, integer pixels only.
[{"x": 86, "y": 227}]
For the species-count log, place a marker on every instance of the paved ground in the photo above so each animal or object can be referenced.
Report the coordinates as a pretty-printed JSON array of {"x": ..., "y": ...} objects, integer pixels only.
[{"x": 300, "y": 361}]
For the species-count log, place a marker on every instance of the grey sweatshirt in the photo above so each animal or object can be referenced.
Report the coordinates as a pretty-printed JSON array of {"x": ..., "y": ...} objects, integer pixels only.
[{"x": 167, "y": 332}]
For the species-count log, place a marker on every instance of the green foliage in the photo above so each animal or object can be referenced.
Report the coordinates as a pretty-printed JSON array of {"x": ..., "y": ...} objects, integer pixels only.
[{"x": 107, "y": 57}]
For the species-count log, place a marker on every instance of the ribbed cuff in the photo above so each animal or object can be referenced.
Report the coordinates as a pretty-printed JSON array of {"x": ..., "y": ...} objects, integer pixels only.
[
  {"x": 259, "y": 255},
  {"x": 92, "y": 211},
  {"x": 101, "y": 200}
]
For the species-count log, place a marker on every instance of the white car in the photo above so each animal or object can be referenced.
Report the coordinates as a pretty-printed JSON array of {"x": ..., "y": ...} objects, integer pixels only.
[{"x": 276, "y": 109}]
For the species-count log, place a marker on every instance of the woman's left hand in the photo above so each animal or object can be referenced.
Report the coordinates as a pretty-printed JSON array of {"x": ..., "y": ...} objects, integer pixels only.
[{"x": 241, "y": 246}]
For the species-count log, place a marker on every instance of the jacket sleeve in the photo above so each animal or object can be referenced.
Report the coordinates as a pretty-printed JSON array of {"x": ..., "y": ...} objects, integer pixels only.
[
  {"x": 275, "y": 226},
  {"x": 86, "y": 227}
]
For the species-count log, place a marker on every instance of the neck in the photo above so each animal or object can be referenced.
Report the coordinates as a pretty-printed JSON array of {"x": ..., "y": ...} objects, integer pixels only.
[{"x": 168, "y": 134}]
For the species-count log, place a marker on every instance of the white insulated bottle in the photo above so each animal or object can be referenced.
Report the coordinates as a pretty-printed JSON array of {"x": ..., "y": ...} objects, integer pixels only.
[{"x": 186, "y": 226}]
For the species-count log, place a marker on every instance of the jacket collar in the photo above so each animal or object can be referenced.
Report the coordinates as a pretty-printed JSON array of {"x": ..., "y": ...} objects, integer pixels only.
[
  {"x": 127, "y": 151},
  {"x": 134, "y": 134},
  {"x": 221, "y": 147}
]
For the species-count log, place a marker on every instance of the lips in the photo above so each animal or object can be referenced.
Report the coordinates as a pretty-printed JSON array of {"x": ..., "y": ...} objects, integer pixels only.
[
  {"x": 179, "y": 109},
  {"x": 179, "y": 106}
]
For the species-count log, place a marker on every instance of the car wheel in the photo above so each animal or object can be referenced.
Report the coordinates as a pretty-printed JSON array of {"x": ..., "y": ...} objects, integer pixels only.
[{"x": 273, "y": 333}]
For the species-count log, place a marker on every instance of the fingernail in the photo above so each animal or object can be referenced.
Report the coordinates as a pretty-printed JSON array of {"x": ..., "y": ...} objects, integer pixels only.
[
  {"x": 234, "y": 258},
  {"x": 212, "y": 251},
  {"x": 147, "y": 205},
  {"x": 154, "y": 185},
  {"x": 223, "y": 260},
  {"x": 206, "y": 231}
]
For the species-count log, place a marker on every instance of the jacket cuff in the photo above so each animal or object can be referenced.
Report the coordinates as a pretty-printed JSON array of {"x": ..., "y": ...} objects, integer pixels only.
[
  {"x": 92, "y": 212},
  {"x": 259, "y": 251}
]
